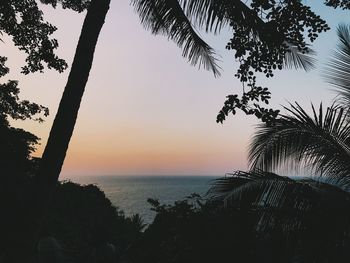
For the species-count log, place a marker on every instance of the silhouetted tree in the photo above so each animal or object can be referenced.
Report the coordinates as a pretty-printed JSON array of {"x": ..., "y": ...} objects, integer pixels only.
[
  {"x": 17, "y": 167},
  {"x": 23, "y": 21},
  {"x": 320, "y": 141},
  {"x": 63, "y": 125},
  {"x": 17, "y": 144},
  {"x": 193, "y": 231}
]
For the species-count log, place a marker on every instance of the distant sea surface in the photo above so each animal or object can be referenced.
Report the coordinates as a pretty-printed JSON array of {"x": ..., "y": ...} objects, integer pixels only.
[{"x": 130, "y": 193}]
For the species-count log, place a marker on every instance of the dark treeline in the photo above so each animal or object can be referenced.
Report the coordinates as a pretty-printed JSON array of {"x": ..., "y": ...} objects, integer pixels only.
[{"x": 83, "y": 226}]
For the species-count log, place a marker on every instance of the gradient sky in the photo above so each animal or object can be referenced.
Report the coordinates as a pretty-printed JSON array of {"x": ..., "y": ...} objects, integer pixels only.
[{"x": 146, "y": 110}]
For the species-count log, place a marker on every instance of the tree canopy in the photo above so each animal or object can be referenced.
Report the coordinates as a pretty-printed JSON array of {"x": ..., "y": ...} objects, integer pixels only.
[
  {"x": 17, "y": 145},
  {"x": 283, "y": 39},
  {"x": 24, "y": 22}
]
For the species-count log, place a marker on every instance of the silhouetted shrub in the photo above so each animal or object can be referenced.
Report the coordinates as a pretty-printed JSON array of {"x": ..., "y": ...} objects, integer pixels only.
[
  {"x": 196, "y": 231},
  {"x": 80, "y": 218}
]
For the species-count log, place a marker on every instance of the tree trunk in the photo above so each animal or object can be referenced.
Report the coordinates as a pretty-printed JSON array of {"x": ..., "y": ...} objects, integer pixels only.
[{"x": 63, "y": 125}]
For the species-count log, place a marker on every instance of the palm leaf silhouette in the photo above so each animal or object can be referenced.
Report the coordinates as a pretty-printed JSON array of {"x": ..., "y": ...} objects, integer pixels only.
[
  {"x": 320, "y": 142},
  {"x": 298, "y": 60},
  {"x": 177, "y": 19},
  {"x": 337, "y": 71},
  {"x": 280, "y": 202},
  {"x": 168, "y": 18}
]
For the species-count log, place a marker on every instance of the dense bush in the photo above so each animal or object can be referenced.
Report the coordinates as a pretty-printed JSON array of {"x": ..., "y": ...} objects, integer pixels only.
[
  {"x": 80, "y": 219},
  {"x": 194, "y": 231}
]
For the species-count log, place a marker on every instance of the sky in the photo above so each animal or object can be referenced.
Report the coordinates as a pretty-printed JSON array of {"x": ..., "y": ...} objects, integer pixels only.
[{"x": 146, "y": 110}]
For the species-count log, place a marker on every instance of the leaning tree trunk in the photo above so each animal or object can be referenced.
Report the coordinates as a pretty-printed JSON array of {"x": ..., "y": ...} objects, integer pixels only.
[{"x": 63, "y": 125}]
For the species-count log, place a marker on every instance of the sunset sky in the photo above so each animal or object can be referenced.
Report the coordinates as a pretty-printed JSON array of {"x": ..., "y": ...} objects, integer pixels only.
[{"x": 146, "y": 111}]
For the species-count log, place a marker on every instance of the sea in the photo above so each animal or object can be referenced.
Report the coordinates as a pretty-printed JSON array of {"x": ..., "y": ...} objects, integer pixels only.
[{"x": 130, "y": 193}]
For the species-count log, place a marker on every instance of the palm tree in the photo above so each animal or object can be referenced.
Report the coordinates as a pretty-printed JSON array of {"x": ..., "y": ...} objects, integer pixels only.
[
  {"x": 63, "y": 125},
  {"x": 321, "y": 141},
  {"x": 302, "y": 209}
]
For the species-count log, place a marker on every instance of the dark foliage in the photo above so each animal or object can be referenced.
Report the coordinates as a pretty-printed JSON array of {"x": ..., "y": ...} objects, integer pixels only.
[
  {"x": 278, "y": 42},
  {"x": 11, "y": 106},
  {"x": 233, "y": 102},
  {"x": 344, "y": 4},
  {"x": 80, "y": 218},
  {"x": 3, "y": 69},
  {"x": 83, "y": 219},
  {"x": 296, "y": 220},
  {"x": 167, "y": 17},
  {"x": 76, "y": 5},
  {"x": 17, "y": 145},
  {"x": 319, "y": 142},
  {"x": 337, "y": 71},
  {"x": 192, "y": 231},
  {"x": 23, "y": 21}
]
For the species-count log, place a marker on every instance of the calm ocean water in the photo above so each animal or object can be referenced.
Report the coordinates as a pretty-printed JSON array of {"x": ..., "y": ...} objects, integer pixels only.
[{"x": 130, "y": 193}]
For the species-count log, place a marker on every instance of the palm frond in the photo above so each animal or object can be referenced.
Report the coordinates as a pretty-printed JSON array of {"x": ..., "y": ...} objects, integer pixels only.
[
  {"x": 280, "y": 202},
  {"x": 337, "y": 71},
  {"x": 320, "y": 142},
  {"x": 215, "y": 14},
  {"x": 240, "y": 188},
  {"x": 299, "y": 60},
  {"x": 222, "y": 186},
  {"x": 168, "y": 18}
]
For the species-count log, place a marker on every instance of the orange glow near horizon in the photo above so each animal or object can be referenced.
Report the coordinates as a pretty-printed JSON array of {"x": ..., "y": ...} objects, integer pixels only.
[{"x": 136, "y": 152}]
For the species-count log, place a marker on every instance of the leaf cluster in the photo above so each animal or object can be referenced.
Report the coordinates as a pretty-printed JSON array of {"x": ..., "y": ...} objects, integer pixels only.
[
  {"x": 188, "y": 231},
  {"x": 23, "y": 21},
  {"x": 12, "y": 106},
  {"x": 344, "y": 4},
  {"x": 3, "y": 69},
  {"x": 169, "y": 18},
  {"x": 259, "y": 94},
  {"x": 81, "y": 219},
  {"x": 17, "y": 145},
  {"x": 76, "y": 5},
  {"x": 277, "y": 41}
]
